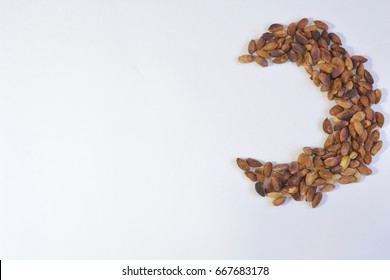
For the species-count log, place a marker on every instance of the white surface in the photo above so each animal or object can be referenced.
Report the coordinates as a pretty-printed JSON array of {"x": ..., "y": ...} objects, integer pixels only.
[
  {"x": 120, "y": 123},
  {"x": 192, "y": 269}
]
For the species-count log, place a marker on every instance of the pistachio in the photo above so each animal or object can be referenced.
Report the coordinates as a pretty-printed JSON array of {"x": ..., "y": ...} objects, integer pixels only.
[
  {"x": 327, "y": 188},
  {"x": 274, "y": 194},
  {"x": 242, "y": 164},
  {"x": 327, "y": 126},
  {"x": 316, "y": 199},
  {"x": 353, "y": 137},
  {"x": 253, "y": 162},
  {"x": 245, "y": 58},
  {"x": 279, "y": 201}
]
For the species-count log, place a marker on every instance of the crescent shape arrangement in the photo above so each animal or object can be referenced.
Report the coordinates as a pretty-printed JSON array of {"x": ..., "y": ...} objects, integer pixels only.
[{"x": 352, "y": 127}]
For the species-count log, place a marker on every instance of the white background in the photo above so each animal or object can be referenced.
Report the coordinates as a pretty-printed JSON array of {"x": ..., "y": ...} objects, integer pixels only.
[
  {"x": 113, "y": 269},
  {"x": 120, "y": 122}
]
